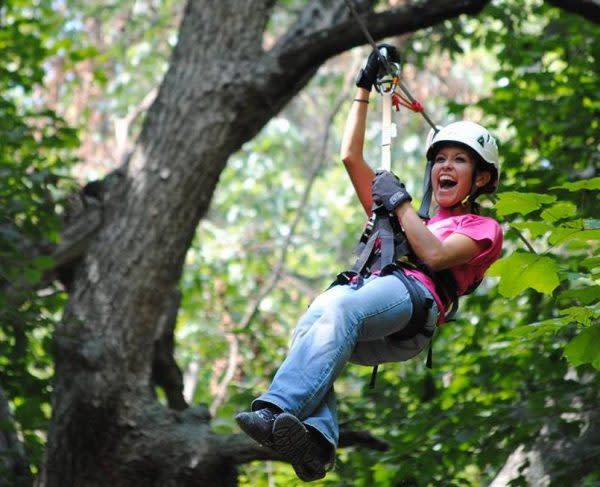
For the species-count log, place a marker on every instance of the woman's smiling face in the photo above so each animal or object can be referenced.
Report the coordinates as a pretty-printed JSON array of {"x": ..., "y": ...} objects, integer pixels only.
[{"x": 452, "y": 175}]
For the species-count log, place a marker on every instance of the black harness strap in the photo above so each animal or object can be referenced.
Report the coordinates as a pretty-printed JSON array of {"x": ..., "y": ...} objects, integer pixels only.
[
  {"x": 365, "y": 253},
  {"x": 421, "y": 307},
  {"x": 381, "y": 245}
]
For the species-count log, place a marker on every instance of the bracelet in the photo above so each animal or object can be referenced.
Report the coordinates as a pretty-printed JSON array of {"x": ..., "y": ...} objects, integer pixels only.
[{"x": 361, "y": 101}]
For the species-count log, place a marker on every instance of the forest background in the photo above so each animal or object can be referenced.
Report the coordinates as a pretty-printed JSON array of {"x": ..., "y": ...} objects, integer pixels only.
[{"x": 111, "y": 390}]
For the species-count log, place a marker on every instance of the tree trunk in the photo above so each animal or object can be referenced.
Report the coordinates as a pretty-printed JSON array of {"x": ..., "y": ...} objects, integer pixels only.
[
  {"x": 220, "y": 90},
  {"x": 556, "y": 457},
  {"x": 551, "y": 461}
]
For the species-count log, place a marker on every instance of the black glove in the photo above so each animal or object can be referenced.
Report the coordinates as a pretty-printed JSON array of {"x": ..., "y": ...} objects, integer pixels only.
[
  {"x": 387, "y": 190},
  {"x": 368, "y": 75}
]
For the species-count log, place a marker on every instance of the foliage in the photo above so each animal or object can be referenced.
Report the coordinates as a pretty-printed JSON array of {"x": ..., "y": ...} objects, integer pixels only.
[
  {"x": 500, "y": 375},
  {"x": 554, "y": 156},
  {"x": 500, "y": 382},
  {"x": 34, "y": 171},
  {"x": 49, "y": 53},
  {"x": 109, "y": 59}
]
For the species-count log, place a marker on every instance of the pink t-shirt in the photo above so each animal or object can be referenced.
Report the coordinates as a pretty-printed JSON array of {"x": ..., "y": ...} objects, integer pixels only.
[{"x": 479, "y": 228}]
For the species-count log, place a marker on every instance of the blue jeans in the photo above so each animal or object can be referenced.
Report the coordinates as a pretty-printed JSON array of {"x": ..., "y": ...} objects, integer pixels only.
[{"x": 345, "y": 323}]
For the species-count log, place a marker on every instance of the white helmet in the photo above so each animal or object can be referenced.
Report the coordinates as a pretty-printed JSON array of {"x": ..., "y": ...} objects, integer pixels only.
[{"x": 473, "y": 136}]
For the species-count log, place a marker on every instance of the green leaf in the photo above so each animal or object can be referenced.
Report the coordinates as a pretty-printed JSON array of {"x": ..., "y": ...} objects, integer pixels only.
[
  {"x": 559, "y": 211},
  {"x": 585, "y": 348},
  {"x": 591, "y": 262},
  {"x": 537, "y": 330},
  {"x": 581, "y": 314},
  {"x": 523, "y": 203},
  {"x": 43, "y": 262},
  {"x": 522, "y": 270},
  {"x": 592, "y": 183},
  {"x": 586, "y": 295},
  {"x": 83, "y": 53},
  {"x": 563, "y": 235},
  {"x": 536, "y": 229}
]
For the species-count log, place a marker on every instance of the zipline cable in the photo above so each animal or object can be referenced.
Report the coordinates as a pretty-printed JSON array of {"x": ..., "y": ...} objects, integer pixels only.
[{"x": 388, "y": 68}]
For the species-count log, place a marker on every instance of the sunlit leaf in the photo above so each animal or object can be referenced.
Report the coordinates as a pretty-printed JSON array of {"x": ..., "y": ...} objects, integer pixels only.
[
  {"x": 536, "y": 330},
  {"x": 585, "y": 295},
  {"x": 564, "y": 235},
  {"x": 522, "y": 203},
  {"x": 581, "y": 314},
  {"x": 535, "y": 228},
  {"x": 559, "y": 211},
  {"x": 521, "y": 270},
  {"x": 591, "y": 184},
  {"x": 591, "y": 262},
  {"x": 585, "y": 348}
]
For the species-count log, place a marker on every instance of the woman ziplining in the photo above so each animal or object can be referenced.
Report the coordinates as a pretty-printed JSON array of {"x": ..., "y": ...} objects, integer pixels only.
[{"x": 408, "y": 274}]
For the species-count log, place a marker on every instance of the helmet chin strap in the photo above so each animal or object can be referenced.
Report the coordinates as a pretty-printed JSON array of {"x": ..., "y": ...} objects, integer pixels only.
[
  {"x": 427, "y": 191},
  {"x": 470, "y": 198}
]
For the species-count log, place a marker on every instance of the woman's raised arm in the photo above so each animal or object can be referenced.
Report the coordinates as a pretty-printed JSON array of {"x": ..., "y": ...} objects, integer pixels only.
[{"x": 351, "y": 151}]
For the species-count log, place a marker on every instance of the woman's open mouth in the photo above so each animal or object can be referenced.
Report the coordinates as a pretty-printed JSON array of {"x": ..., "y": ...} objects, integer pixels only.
[{"x": 446, "y": 182}]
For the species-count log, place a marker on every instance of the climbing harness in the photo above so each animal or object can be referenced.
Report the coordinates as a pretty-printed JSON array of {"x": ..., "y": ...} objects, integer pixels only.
[{"x": 383, "y": 247}]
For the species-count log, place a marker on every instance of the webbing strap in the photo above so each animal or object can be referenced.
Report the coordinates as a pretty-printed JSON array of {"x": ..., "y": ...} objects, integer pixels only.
[
  {"x": 421, "y": 305},
  {"x": 427, "y": 192},
  {"x": 386, "y": 234},
  {"x": 365, "y": 251},
  {"x": 373, "y": 377},
  {"x": 429, "y": 361},
  {"x": 392, "y": 244},
  {"x": 451, "y": 314}
]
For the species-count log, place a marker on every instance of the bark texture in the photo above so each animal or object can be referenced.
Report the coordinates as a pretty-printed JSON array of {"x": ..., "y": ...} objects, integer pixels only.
[
  {"x": 555, "y": 458},
  {"x": 220, "y": 89}
]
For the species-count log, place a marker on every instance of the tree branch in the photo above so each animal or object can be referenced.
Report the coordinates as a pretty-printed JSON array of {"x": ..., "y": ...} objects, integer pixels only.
[
  {"x": 588, "y": 9},
  {"x": 523, "y": 239},
  {"x": 83, "y": 220},
  {"x": 165, "y": 371},
  {"x": 76, "y": 237},
  {"x": 232, "y": 365},
  {"x": 74, "y": 241},
  {"x": 362, "y": 439},
  {"x": 322, "y": 33}
]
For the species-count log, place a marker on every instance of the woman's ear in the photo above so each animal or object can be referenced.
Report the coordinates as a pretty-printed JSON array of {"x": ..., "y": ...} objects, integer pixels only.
[{"x": 483, "y": 177}]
